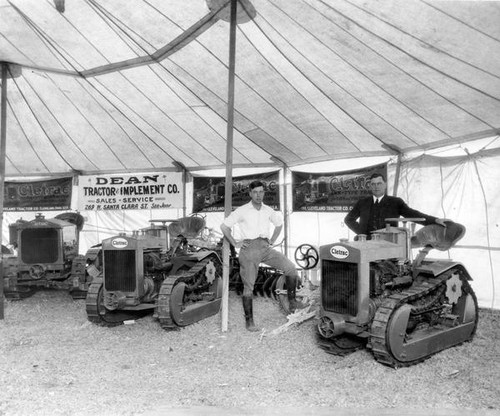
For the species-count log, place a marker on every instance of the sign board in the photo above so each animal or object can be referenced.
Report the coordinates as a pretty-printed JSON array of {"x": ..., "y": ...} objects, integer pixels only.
[
  {"x": 332, "y": 192},
  {"x": 44, "y": 195},
  {"x": 209, "y": 192},
  {"x": 124, "y": 192}
]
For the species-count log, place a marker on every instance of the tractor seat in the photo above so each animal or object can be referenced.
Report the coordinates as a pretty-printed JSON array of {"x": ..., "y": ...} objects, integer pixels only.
[
  {"x": 437, "y": 236},
  {"x": 188, "y": 227}
]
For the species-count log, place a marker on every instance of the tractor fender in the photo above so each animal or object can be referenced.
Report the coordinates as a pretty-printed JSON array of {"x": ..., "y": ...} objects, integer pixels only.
[
  {"x": 202, "y": 254},
  {"x": 437, "y": 267}
]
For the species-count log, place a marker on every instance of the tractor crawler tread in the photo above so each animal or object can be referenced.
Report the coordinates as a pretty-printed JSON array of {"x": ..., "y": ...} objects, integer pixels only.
[
  {"x": 105, "y": 318},
  {"x": 379, "y": 338},
  {"x": 165, "y": 305}
]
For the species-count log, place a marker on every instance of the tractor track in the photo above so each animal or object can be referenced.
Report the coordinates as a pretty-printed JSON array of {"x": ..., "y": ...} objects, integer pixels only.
[
  {"x": 379, "y": 327},
  {"x": 164, "y": 304}
]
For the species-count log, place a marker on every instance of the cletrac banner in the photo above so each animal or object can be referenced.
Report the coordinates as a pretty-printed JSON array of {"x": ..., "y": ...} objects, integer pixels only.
[
  {"x": 332, "y": 192},
  {"x": 209, "y": 193},
  {"x": 124, "y": 192},
  {"x": 40, "y": 195}
]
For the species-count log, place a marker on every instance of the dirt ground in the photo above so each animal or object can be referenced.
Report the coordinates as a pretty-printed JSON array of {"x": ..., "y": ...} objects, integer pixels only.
[{"x": 53, "y": 361}]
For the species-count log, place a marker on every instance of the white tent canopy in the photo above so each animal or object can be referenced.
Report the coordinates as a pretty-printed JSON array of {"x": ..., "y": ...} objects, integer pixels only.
[
  {"x": 141, "y": 85},
  {"x": 122, "y": 86}
]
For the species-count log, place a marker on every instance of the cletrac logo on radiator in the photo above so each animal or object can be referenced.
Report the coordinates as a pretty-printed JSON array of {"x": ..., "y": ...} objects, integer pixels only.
[
  {"x": 119, "y": 243},
  {"x": 339, "y": 252}
]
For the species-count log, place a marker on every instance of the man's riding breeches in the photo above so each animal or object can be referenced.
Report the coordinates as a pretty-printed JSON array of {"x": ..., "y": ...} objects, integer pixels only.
[{"x": 259, "y": 251}]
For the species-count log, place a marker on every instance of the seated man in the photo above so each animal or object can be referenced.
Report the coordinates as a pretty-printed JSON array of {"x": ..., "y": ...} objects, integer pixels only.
[{"x": 255, "y": 220}]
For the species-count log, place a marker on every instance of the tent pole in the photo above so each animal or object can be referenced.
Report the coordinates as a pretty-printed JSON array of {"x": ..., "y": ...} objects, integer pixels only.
[
  {"x": 184, "y": 171},
  {"x": 228, "y": 195},
  {"x": 285, "y": 207},
  {"x": 396, "y": 176},
  {"x": 285, "y": 171},
  {"x": 3, "y": 140}
]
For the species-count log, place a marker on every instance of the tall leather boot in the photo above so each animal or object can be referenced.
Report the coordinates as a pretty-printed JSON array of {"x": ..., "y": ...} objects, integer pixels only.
[
  {"x": 291, "y": 288},
  {"x": 248, "y": 309}
]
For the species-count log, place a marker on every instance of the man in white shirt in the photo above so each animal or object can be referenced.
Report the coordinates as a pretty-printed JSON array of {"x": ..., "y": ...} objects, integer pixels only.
[{"x": 254, "y": 220}]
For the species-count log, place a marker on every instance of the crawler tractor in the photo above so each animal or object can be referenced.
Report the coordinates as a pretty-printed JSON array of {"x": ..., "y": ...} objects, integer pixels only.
[
  {"x": 173, "y": 271},
  {"x": 372, "y": 294},
  {"x": 47, "y": 257}
]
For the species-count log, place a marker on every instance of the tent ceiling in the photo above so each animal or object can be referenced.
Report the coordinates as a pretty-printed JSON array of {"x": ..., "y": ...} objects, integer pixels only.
[{"x": 122, "y": 86}]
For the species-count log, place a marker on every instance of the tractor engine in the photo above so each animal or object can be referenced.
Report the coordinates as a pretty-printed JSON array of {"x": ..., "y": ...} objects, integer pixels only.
[
  {"x": 354, "y": 277},
  {"x": 130, "y": 275}
]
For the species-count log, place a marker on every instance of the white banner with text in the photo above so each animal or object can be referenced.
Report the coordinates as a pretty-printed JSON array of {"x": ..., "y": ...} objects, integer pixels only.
[{"x": 122, "y": 192}]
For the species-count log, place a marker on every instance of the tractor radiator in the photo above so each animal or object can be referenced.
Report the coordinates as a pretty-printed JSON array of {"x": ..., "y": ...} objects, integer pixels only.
[
  {"x": 120, "y": 270},
  {"x": 339, "y": 287},
  {"x": 39, "y": 245}
]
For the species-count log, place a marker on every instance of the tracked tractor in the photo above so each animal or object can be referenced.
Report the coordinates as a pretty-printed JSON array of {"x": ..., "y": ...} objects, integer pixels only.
[
  {"x": 374, "y": 295},
  {"x": 173, "y": 271},
  {"x": 47, "y": 257}
]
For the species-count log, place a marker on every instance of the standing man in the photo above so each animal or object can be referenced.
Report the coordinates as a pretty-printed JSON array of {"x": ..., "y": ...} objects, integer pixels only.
[
  {"x": 369, "y": 214},
  {"x": 254, "y": 220}
]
